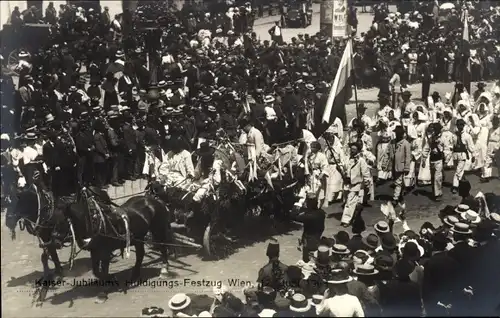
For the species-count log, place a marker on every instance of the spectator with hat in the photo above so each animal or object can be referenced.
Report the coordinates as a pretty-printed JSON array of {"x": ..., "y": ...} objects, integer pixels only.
[{"x": 337, "y": 302}]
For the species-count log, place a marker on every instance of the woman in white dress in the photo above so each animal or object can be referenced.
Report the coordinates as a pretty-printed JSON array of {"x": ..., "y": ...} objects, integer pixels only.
[
  {"x": 336, "y": 157},
  {"x": 484, "y": 126},
  {"x": 384, "y": 134},
  {"x": 447, "y": 134}
]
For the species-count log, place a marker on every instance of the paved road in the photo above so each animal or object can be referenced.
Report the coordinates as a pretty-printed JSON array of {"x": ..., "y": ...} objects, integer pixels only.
[{"x": 21, "y": 262}]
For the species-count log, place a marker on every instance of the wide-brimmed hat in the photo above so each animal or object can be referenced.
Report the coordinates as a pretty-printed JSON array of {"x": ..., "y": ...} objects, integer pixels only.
[
  {"x": 316, "y": 299},
  {"x": 461, "y": 228},
  {"x": 205, "y": 150},
  {"x": 381, "y": 227},
  {"x": 23, "y": 54},
  {"x": 471, "y": 217},
  {"x": 29, "y": 136},
  {"x": 268, "y": 99},
  {"x": 73, "y": 89},
  {"x": 406, "y": 93},
  {"x": 371, "y": 241},
  {"x": 179, "y": 302},
  {"x": 119, "y": 54},
  {"x": 461, "y": 208},
  {"x": 338, "y": 276},
  {"x": 212, "y": 109},
  {"x": 365, "y": 270},
  {"x": 310, "y": 87},
  {"x": 340, "y": 249},
  {"x": 299, "y": 303},
  {"x": 450, "y": 220}
]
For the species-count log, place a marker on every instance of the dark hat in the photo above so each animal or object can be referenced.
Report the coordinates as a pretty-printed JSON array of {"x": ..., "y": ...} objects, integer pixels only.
[
  {"x": 439, "y": 240},
  {"x": 427, "y": 228},
  {"x": 205, "y": 150},
  {"x": 406, "y": 93},
  {"x": 481, "y": 85},
  {"x": 388, "y": 242},
  {"x": 342, "y": 237},
  {"x": 435, "y": 94},
  {"x": 384, "y": 262},
  {"x": 322, "y": 255},
  {"x": 273, "y": 249},
  {"x": 361, "y": 106},
  {"x": 371, "y": 241}
]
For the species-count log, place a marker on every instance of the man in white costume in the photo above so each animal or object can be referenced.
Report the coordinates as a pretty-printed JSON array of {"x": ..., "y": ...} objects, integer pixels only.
[{"x": 463, "y": 149}]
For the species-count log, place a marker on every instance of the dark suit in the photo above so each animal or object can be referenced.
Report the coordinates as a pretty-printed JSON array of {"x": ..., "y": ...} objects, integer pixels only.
[
  {"x": 439, "y": 282},
  {"x": 61, "y": 160},
  {"x": 272, "y": 275},
  {"x": 400, "y": 299},
  {"x": 84, "y": 142},
  {"x": 100, "y": 156},
  {"x": 130, "y": 147},
  {"x": 313, "y": 221},
  {"x": 367, "y": 299}
]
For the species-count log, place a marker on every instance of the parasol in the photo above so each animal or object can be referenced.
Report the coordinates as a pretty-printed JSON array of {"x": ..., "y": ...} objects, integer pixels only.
[{"x": 447, "y": 6}]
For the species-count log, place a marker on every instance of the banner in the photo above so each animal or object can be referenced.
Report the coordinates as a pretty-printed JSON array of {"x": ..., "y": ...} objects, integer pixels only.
[{"x": 339, "y": 21}]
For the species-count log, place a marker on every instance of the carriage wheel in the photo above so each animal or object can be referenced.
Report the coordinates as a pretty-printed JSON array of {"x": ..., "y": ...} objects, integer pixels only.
[
  {"x": 214, "y": 242},
  {"x": 13, "y": 61}
]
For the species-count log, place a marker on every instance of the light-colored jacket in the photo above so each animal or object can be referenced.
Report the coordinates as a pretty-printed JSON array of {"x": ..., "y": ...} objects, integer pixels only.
[
  {"x": 400, "y": 152},
  {"x": 358, "y": 172}
]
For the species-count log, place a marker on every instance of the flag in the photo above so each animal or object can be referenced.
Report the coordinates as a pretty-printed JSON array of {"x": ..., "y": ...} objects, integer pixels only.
[
  {"x": 466, "y": 78},
  {"x": 341, "y": 90}
]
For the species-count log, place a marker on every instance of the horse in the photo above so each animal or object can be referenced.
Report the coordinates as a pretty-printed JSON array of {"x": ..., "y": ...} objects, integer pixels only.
[
  {"x": 101, "y": 227},
  {"x": 38, "y": 213}
]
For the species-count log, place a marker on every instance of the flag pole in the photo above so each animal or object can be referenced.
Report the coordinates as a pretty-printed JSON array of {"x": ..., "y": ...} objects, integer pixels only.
[{"x": 351, "y": 38}]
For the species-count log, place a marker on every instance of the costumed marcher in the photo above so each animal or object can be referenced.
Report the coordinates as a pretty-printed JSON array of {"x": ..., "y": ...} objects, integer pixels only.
[
  {"x": 357, "y": 177},
  {"x": 463, "y": 150}
]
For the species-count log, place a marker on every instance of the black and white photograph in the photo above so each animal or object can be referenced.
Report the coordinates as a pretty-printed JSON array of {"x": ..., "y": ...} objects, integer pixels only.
[{"x": 250, "y": 158}]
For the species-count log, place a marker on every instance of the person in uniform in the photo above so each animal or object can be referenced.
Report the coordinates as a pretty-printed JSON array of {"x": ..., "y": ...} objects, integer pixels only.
[
  {"x": 400, "y": 152},
  {"x": 434, "y": 149},
  {"x": 313, "y": 221},
  {"x": 357, "y": 177},
  {"x": 273, "y": 273},
  {"x": 463, "y": 148}
]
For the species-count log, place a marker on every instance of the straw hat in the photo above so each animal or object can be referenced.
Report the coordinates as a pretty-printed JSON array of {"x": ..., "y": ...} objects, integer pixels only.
[
  {"x": 461, "y": 228},
  {"x": 365, "y": 270},
  {"x": 300, "y": 304},
  {"x": 179, "y": 302},
  {"x": 471, "y": 216}
]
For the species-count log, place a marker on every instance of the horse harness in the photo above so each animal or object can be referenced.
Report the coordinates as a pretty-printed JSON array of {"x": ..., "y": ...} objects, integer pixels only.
[{"x": 44, "y": 212}]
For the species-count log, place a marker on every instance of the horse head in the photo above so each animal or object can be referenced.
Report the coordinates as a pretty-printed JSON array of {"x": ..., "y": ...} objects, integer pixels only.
[{"x": 35, "y": 206}]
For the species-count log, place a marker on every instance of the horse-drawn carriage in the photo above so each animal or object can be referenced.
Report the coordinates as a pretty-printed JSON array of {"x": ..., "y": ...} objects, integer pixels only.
[
  {"x": 297, "y": 13},
  {"x": 240, "y": 203},
  {"x": 28, "y": 37}
]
